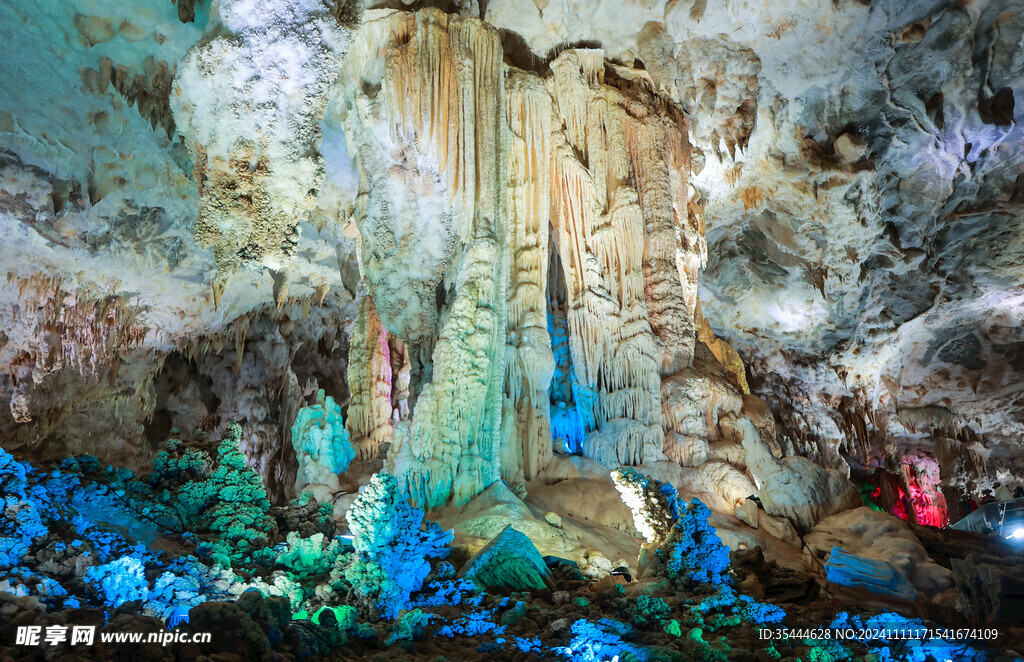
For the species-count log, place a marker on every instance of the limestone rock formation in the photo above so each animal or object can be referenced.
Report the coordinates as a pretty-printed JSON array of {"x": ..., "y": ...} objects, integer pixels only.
[
  {"x": 991, "y": 588},
  {"x": 879, "y": 577},
  {"x": 508, "y": 561},
  {"x": 881, "y": 537},
  {"x": 371, "y": 376},
  {"x": 539, "y": 253},
  {"x": 794, "y": 487},
  {"x": 602, "y": 162},
  {"x": 450, "y": 449}
]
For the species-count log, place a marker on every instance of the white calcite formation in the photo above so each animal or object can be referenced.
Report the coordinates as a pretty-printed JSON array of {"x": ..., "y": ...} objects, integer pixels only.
[
  {"x": 794, "y": 487},
  {"x": 370, "y": 378},
  {"x": 860, "y": 181},
  {"x": 411, "y": 108},
  {"x": 529, "y": 360},
  {"x": 248, "y": 104}
]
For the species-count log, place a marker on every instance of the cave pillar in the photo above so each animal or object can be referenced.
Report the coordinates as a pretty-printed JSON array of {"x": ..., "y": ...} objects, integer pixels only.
[
  {"x": 674, "y": 247},
  {"x": 370, "y": 382},
  {"x": 529, "y": 361},
  {"x": 424, "y": 117},
  {"x": 600, "y": 238}
]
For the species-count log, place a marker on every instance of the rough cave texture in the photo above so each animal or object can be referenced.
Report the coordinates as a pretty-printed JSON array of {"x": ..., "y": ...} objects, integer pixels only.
[{"x": 559, "y": 302}]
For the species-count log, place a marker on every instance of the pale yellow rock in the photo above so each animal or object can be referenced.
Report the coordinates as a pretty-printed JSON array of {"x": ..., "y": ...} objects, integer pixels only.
[
  {"x": 529, "y": 362},
  {"x": 370, "y": 379},
  {"x": 746, "y": 512},
  {"x": 850, "y": 148}
]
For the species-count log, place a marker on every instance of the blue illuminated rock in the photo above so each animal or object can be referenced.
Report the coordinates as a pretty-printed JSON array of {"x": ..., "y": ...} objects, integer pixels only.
[
  {"x": 393, "y": 544},
  {"x": 879, "y": 577}
]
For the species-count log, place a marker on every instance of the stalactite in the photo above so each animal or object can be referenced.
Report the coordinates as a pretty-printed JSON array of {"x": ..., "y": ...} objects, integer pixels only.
[
  {"x": 282, "y": 279},
  {"x": 241, "y": 328},
  {"x": 369, "y": 381},
  {"x": 657, "y": 141},
  {"x": 602, "y": 162},
  {"x": 78, "y": 326}
]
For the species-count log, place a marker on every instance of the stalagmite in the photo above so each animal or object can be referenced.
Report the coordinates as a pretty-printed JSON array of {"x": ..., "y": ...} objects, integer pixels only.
[
  {"x": 369, "y": 381},
  {"x": 401, "y": 368},
  {"x": 322, "y": 447}
]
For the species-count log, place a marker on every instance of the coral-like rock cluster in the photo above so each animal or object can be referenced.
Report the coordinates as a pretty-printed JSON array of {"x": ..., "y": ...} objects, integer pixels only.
[{"x": 392, "y": 546}]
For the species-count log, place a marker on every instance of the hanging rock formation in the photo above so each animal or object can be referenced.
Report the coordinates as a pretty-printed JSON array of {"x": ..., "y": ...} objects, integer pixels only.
[
  {"x": 600, "y": 230},
  {"x": 257, "y": 170}
]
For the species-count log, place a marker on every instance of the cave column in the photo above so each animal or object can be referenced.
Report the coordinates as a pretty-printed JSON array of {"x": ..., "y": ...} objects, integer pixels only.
[
  {"x": 370, "y": 382},
  {"x": 436, "y": 121},
  {"x": 529, "y": 361},
  {"x": 599, "y": 232}
]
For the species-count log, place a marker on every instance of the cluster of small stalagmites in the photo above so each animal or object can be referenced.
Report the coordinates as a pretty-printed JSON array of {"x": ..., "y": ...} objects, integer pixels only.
[{"x": 150, "y": 89}]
